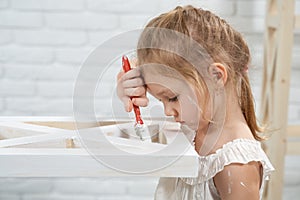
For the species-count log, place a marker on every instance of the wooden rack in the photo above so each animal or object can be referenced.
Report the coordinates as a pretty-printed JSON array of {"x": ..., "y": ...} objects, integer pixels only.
[
  {"x": 279, "y": 29},
  {"x": 52, "y": 147}
]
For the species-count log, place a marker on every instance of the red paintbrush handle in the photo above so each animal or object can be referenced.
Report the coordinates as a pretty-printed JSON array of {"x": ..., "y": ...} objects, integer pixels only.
[
  {"x": 126, "y": 68},
  {"x": 125, "y": 64},
  {"x": 137, "y": 113}
]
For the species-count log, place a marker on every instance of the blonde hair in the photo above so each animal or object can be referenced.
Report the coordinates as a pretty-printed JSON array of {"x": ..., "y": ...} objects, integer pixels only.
[{"x": 222, "y": 43}]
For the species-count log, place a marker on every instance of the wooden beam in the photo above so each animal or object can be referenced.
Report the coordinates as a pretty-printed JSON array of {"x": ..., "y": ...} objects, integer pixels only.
[
  {"x": 273, "y": 21},
  {"x": 46, "y": 148},
  {"x": 10, "y": 129},
  {"x": 13, "y": 133},
  {"x": 293, "y": 148},
  {"x": 77, "y": 162},
  {"x": 36, "y": 119},
  {"x": 62, "y": 122},
  {"x": 297, "y": 21},
  {"x": 276, "y": 82},
  {"x": 34, "y": 139},
  {"x": 293, "y": 131}
]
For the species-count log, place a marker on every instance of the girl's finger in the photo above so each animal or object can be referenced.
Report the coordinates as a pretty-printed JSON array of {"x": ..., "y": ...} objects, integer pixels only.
[
  {"x": 135, "y": 92},
  {"x": 133, "y": 73},
  {"x": 140, "y": 101},
  {"x": 132, "y": 83},
  {"x": 120, "y": 74},
  {"x": 127, "y": 104}
]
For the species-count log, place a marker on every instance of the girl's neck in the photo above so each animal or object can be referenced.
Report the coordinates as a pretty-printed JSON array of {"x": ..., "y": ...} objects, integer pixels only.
[{"x": 235, "y": 126}]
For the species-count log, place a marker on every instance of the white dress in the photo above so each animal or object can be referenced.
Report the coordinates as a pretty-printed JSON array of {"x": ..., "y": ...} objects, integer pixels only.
[{"x": 237, "y": 151}]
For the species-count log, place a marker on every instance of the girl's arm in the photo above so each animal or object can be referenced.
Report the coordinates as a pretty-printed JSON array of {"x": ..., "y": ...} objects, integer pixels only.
[{"x": 239, "y": 181}]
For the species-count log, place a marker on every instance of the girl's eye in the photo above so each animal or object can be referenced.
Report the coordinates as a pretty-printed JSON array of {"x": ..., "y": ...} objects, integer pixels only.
[{"x": 174, "y": 99}]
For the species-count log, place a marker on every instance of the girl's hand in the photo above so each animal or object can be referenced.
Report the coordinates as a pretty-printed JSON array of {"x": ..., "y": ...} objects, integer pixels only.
[{"x": 131, "y": 84}]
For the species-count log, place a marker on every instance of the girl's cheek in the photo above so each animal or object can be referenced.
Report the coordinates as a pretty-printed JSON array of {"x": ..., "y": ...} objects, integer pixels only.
[{"x": 190, "y": 113}]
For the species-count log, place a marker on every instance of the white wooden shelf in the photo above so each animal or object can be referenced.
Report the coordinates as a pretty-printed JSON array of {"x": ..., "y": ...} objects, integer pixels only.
[{"x": 52, "y": 147}]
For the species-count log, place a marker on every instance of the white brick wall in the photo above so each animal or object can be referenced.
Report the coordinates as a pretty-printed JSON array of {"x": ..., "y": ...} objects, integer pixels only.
[
  {"x": 90, "y": 21},
  {"x": 42, "y": 46},
  {"x": 3, "y": 3},
  {"x": 119, "y": 7},
  {"x": 1, "y": 104},
  {"x": 20, "y": 88},
  {"x": 5, "y": 37},
  {"x": 12, "y": 19},
  {"x": 50, "y": 37},
  {"x": 49, "y": 5},
  {"x": 30, "y": 54}
]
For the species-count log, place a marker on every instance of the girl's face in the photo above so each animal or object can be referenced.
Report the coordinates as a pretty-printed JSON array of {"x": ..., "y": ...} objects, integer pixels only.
[{"x": 180, "y": 100}]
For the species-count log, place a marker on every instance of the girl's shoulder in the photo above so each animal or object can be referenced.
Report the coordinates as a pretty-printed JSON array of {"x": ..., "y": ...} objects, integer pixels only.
[{"x": 238, "y": 151}]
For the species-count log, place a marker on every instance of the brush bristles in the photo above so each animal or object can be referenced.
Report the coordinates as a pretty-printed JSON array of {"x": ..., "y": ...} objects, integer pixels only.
[{"x": 141, "y": 132}]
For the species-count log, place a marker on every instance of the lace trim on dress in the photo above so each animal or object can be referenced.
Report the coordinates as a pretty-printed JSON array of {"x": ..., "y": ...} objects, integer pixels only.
[{"x": 237, "y": 151}]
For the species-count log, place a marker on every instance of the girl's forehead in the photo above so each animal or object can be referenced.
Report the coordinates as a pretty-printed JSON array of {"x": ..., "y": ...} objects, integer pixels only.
[
  {"x": 169, "y": 88},
  {"x": 159, "y": 89},
  {"x": 160, "y": 77}
]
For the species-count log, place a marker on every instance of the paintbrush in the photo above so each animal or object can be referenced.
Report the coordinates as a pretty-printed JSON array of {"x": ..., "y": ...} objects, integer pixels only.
[{"x": 141, "y": 131}]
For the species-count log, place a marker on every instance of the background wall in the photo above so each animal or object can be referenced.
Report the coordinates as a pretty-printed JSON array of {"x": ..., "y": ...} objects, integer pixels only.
[{"x": 44, "y": 42}]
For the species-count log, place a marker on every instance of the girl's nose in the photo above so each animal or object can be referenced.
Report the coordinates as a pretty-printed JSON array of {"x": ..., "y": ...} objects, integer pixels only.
[{"x": 169, "y": 110}]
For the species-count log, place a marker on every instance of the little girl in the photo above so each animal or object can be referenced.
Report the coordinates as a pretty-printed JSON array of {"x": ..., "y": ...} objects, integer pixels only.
[{"x": 196, "y": 64}]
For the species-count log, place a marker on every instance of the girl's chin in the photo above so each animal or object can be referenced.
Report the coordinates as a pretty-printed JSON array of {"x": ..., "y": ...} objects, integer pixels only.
[{"x": 190, "y": 126}]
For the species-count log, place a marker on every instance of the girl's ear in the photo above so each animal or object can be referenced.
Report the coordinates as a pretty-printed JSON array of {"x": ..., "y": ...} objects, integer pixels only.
[{"x": 218, "y": 73}]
